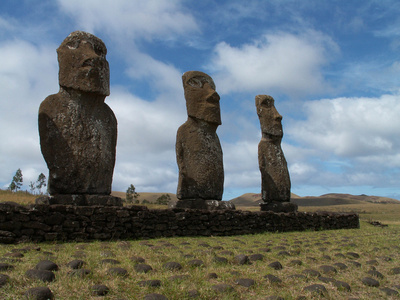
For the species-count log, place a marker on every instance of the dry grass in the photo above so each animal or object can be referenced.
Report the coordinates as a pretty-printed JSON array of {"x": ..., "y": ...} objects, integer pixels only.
[
  {"x": 20, "y": 197},
  {"x": 377, "y": 248},
  {"x": 311, "y": 248}
]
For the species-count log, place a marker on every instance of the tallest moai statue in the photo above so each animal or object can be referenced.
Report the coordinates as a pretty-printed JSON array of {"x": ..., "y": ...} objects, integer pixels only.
[
  {"x": 275, "y": 179},
  {"x": 78, "y": 131}
]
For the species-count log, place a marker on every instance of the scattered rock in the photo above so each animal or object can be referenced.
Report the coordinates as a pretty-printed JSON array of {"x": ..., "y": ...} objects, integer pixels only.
[
  {"x": 353, "y": 255},
  {"x": 99, "y": 290},
  {"x": 354, "y": 263},
  {"x": 264, "y": 249},
  {"x": 326, "y": 279},
  {"x": 137, "y": 259},
  {"x": 6, "y": 266},
  {"x": 283, "y": 253},
  {"x": 295, "y": 262},
  {"x": 372, "y": 262},
  {"x": 172, "y": 266},
  {"x": 14, "y": 254},
  {"x": 142, "y": 268},
  {"x": 46, "y": 265},
  {"x": 389, "y": 292},
  {"x": 275, "y": 265},
  {"x": 255, "y": 257},
  {"x": 311, "y": 272},
  {"x": 76, "y": 264},
  {"x": 241, "y": 259},
  {"x": 316, "y": 288},
  {"x": 376, "y": 274},
  {"x": 118, "y": 271},
  {"x": 370, "y": 282},
  {"x": 195, "y": 263},
  {"x": 274, "y": 298},
  {"x": 246, "y": 282},
  {"x": 220, "y": 260},
  {"x": 39, "y": 293},
  {"x": 179, "y": 277},
  {"x": 44, "y": 275},
  {"x": 226, "y": 252},
  {"x": 4, "y": 279},
  {"x": 328, "y": 269},
  {"x": 79, "y": 272},
  {"x": 341, "y": 285},
  {"x": 340, "y": 266},
  {"x": 152, "y": 283},
  {"x": 212, "y": 275},
  {"x": 193, "y": 294},
  {"x": 272, "y": 278},
  {"x": 326, "y": 257},
  {"x": 394, "y": 271}
]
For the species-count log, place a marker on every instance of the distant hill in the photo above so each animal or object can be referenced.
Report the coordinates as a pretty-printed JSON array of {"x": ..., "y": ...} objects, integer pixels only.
[{"x": 251, "y": 199}]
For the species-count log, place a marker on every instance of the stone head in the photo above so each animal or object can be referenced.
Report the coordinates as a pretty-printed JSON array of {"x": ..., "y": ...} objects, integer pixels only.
[
  {"x": 202, "y": 101},
  {"x": 83, "y": 64},
  {"x": 270, "y": 119}
]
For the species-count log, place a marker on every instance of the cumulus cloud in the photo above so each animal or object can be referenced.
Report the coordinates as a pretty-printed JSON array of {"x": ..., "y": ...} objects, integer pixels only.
[
  {"x": 352, "y": 140},
  {"x": 28, "y": 73},
  {"x": 131, "y": 18},
  {"x": 146, "y": 141},
  {"x": 281, "y": 61}
]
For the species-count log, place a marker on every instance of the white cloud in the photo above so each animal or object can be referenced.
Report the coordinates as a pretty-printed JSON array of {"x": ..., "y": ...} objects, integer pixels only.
[
  {"x": 131, "y": 18},
  {"x": 350, "y": 127},
  {"x": 28, "y": 74},
  {"x": 282, "y": 62},
  {"x": 146, "y": 141},
  {"x": 353, "y": 140}
]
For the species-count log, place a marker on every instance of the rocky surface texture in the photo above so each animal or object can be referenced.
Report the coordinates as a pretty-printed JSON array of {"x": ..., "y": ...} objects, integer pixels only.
[
  {"x": 78, "y": 131},
  {"x": 68, "y": 222},
  {"x": 198, "y": 150},
  {"x": 275, "y": 179}
]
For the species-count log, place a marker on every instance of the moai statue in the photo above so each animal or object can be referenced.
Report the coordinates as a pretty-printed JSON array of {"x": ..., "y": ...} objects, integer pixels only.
[
  {"x": 198, "y": 150},
  {"x": 275, "y": 180},
  {"x": 78, "y": 131}
]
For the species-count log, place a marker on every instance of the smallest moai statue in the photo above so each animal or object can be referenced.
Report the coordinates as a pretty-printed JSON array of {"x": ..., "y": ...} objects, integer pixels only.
[{"x": 275, "y": 179}]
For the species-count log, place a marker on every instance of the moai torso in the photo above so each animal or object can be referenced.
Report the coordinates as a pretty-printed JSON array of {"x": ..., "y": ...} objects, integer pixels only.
[
  {"x": 78, "y": 131},
  {"x": 275, "y": 179},
  {"x": 199, "y": 156},
  {"x": 198, "y": 150}
]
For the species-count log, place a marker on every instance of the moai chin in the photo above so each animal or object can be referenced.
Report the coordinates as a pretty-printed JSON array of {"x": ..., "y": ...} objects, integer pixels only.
[
  {"x": 78, "y": 131},
  {"x": 275, "y": 179},
  {"x": 198, "y": 150}
]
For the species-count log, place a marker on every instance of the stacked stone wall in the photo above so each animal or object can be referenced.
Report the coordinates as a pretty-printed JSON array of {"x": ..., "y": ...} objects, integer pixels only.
[{"x": 80, "y": 223}]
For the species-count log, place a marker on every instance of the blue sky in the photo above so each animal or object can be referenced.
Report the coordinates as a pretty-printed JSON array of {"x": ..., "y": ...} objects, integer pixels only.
[{"x": 332, "y": 67}]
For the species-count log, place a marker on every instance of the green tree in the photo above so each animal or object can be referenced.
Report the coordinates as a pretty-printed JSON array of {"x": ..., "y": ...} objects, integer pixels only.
[
  {"x": 41, "y": 182},
  {"x": 131, "y": 194},
  {"x": 163, "y": 199},
  {"x": 32, "y": 187},
  {"x": 16, "y": 182}
]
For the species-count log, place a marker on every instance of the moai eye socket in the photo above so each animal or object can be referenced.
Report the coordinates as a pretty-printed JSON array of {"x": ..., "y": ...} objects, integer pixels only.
[
  {"x": 199, "y": 82},
  {"x": 195, "y": 82}
]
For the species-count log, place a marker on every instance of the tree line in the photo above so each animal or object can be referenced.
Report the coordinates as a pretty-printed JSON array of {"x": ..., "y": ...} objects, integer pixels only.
[{"x": 17, "y": 182}]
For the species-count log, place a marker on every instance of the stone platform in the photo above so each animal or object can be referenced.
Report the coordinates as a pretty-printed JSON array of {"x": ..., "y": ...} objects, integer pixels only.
[
  {"x": 203, "y": 204},
  {"x": 80, "y": 200},
  {"x": 60, "y": 222}
]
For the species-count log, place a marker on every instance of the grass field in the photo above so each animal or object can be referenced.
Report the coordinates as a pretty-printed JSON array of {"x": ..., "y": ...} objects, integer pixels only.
[{"x": 216, "y": 267}]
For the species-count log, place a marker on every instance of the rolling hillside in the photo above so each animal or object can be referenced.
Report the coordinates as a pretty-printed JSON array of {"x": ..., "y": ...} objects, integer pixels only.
[{"x": 250, "y": 199}]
